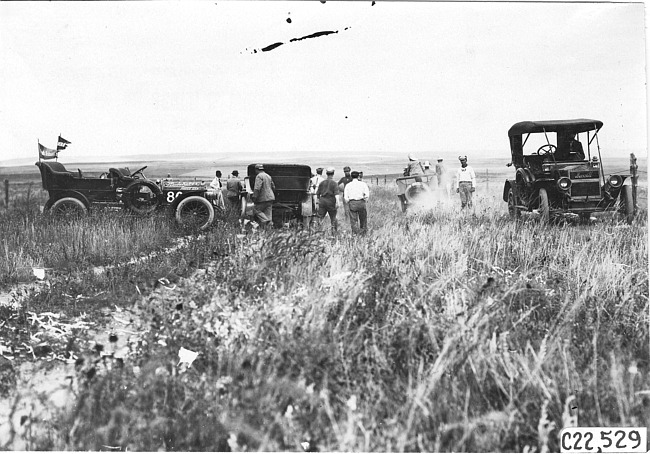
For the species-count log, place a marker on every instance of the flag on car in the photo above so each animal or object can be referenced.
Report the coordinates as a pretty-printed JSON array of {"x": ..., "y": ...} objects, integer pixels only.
[
  {"x": 46, "y": 153},
  {"x": 63, "y": 144}
]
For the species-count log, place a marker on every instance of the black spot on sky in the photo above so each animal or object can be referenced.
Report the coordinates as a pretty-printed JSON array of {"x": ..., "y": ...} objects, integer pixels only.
[
  {"x": 288, "y": 20},
  {"x": 373, "y": 3},
  {"x": 313, "y": 35},
  {"x": 271, "y": 47}
]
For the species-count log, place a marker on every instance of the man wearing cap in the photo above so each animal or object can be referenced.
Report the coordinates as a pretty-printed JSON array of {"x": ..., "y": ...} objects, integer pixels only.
[
  {"x": 465, "y": 182},
  {"x": 263, "y": 196},
  {"x": 233, "y": 188},
  {"x": 342, "y": 183},
  {"x": 356, "y": 195},
  {"x": 326, "y": 193}
]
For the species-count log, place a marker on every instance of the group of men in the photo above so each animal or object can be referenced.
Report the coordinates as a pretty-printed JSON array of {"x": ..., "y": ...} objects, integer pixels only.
[
  {"x": 465, "y": 178},
  {"x": 327, "y": 196}
]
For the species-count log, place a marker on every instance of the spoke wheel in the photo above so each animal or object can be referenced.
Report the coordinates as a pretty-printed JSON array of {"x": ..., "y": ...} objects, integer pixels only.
[
  {"x": 68, "y": 208},
  {"x": 544, "y": 210},
  {"x": 513, "y": 211},
  {"x": 195, "y": 212}
]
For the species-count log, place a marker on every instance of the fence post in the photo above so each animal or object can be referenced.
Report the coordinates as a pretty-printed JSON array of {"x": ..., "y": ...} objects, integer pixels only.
[
  {"x": 633, "y": 170},
  {"x": 384, "y": 180},
  {"x": 7, "y": 193}
]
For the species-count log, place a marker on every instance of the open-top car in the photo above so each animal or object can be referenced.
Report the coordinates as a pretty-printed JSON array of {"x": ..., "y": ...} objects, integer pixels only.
[
  {"x": 291, "y": 191},
  {"x": 412, "y": 189},
  {"x": 73, "y": 193},
  {"x": 558, "y": 170}
]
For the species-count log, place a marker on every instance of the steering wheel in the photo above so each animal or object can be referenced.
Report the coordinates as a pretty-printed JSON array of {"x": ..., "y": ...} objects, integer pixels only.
[
  {"x": 549, "y": 148},
  {"x": 139, "y": 171}
]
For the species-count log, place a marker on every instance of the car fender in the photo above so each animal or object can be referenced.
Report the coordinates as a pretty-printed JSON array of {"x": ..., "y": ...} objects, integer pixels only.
[
  {"x": 525, "y": 175},
  {"x": 506, "y": 188},
  {"x": 66, "y": 193}
]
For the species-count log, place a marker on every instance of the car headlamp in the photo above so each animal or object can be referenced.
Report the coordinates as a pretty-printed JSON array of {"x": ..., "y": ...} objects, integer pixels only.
[
  {"x": 615, "y": 181},
  {"x": 564, "y": 183},
  {"x": 546, "y": 167}
]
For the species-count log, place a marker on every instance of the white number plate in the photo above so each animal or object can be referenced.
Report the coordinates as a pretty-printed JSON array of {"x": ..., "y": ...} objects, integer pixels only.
[{"x": 604, "y": 439}]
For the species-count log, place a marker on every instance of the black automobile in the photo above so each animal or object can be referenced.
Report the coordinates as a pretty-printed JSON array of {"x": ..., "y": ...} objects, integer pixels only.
[
  {"x": 558, "y": 170},
  {"x": 291, "y": 191},
  {"x": 73, "y": 193}
]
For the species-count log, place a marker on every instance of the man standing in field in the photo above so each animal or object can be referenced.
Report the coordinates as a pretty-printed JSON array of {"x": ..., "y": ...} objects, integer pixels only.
[
  {"x": 233, "y": 187},
  {"x": 356, "y": 195},
  {"x": 263, "y": 196},
  {"x": 465, "y": 182},
  {"x": 342, "y": 183},
  {"x": 217, "y": 186},
  {"x": 443, "y": 177},
  {"x": 326, "y": 193}
]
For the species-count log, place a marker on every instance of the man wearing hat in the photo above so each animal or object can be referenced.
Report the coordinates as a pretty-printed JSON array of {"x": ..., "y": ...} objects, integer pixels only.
[
  {"x": 233, "y": 188},
  {"x": 356, "y": 195},
  {"x": 414, "y": 167},
  {"x": 342, "y": 183},
  {"x": 263, "y": 196},
  {"x": 465, "y": 182},
  {"x": 326, "y": 193}
]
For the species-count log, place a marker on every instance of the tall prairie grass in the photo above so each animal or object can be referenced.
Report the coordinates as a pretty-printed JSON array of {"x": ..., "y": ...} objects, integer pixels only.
[{"x": 440, "y": 330}]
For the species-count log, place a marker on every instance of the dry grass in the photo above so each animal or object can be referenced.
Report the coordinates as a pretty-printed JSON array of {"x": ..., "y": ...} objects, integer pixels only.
[{"x": 439, "y": 331}]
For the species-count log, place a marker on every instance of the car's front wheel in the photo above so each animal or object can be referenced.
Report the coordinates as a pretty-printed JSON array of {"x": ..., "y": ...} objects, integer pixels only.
[
  {"x": 68, "y": 207},
  {"x": 513, "y": 211},
  {"x": 627, "y": 204},
  {"x": 195, "y": 212},
  {"x": 544, "y": 210}
]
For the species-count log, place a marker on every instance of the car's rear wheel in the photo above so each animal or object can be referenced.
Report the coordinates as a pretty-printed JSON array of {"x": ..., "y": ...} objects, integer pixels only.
[
  {"x": 513, "y": 211},
  {"x": 627, "y": 204},
  {"x": 195, "y": 212},
  {"x": 68, "y": 207},
  {"x": 544, "y": 210},
  {"x": 142, "y": 197}
]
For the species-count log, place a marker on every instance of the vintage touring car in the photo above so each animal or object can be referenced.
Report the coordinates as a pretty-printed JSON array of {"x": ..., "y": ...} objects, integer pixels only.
[
  {"x": 291, "y": 191},
  {"x": 72, "y": 193},
  {"x": 555, "y": 175}
]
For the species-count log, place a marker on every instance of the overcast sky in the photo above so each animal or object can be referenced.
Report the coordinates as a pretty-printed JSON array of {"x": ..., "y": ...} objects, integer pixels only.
[{"x": 161, "y": 77}]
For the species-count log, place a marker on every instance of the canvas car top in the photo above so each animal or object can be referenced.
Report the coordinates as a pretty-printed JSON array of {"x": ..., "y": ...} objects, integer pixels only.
[
  {"x": 285, "y": 176},
  {"x": 561, "y": 126}
]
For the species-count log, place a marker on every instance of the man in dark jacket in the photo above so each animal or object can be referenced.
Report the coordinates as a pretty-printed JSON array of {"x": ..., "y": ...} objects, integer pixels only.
[
  {"x": 326, "y": 193},
  {"x": 263, "y": 197},
  {"x": 233, "y": 187}
]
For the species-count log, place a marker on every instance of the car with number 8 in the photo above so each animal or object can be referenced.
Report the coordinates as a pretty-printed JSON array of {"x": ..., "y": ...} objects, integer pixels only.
[{"x": 192, "y": 204}]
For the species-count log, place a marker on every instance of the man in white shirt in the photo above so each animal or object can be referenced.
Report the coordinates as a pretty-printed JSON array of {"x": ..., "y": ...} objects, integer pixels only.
[
  {"x": 217, "y": 186},
  {"x": 356, "y": 194},
  {"x": 465, "y": 182}
]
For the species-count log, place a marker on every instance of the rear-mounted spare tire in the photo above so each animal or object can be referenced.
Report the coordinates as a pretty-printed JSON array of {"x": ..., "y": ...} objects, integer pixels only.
[
  {"x": 416, "y": 190},
  {"x": 142, "y": 197}
]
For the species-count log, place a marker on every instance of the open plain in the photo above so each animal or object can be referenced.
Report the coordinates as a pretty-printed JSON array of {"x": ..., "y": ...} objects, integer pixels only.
[{"x": 440, "y": 330}]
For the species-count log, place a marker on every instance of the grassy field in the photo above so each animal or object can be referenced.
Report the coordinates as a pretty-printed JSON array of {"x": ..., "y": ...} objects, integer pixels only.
[{"x": 440, "y": 330}]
